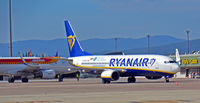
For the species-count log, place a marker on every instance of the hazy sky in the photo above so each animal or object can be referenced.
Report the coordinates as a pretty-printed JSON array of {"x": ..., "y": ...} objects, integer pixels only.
[{"x": 44, "y": 19}]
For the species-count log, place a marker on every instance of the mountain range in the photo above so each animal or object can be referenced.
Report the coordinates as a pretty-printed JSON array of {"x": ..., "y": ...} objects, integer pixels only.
[{"x": 164, "y": 45}]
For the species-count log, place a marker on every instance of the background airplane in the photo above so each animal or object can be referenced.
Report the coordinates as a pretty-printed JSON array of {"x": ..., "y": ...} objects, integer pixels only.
[
  {"x": 33, "y": 67},
  {"x": 113, "y": 67}
]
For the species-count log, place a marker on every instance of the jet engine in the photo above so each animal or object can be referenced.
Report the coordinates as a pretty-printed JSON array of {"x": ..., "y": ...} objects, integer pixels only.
[
  {"x": 48, "y": 74},
  {"x": 153, "y": 77},
  {"x": 110, "y": 74}
]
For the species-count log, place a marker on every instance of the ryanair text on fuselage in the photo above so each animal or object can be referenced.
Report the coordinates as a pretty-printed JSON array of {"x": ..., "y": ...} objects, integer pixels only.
[{"x": 131, "y": 62}]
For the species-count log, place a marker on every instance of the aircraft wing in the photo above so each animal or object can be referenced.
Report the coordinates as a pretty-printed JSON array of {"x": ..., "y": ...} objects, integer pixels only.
[
  {"x": 72, "y": 67},
  {"x": 35, "y": 67}
]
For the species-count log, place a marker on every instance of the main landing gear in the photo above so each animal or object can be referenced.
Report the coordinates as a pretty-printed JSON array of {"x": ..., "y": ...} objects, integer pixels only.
[
  {"x": 24, "y": 80},
  {"x": 104, "y": 81},
  {"x": 11, "y": 80},
  {"x": 131, "y": 80}
]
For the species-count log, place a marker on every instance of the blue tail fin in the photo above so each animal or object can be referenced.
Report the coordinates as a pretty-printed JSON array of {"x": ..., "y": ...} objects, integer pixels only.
[{"x": 73, "y": 44}]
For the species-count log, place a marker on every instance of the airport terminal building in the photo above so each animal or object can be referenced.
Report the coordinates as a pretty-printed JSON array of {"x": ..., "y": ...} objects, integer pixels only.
[{"x": 190, "y": 65}]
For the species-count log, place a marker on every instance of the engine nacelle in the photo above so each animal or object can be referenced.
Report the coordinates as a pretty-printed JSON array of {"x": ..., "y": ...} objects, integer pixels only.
[
  {"x": 153, "y": 77},
  {"x": 48, "y": 74},
  {"x": 110, "y": 74}
]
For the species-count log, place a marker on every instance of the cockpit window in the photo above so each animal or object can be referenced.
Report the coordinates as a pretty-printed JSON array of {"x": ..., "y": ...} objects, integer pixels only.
[{"x": 171, "y": 61}]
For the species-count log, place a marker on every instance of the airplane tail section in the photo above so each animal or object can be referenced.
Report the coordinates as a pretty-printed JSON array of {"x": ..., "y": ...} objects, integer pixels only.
[{"x": 75, "y": 48}]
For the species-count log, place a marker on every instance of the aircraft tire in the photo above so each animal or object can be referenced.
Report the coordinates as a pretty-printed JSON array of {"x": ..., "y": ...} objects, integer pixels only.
[
  {"x": 131, "y": 80},
  {"x": 24, "y": 80},
  {"x": 11, "y": 80},
  {"x": 167, "y": 80},
  {"x": 103, "y": 81},
  {"x": 106, "y": 81}
]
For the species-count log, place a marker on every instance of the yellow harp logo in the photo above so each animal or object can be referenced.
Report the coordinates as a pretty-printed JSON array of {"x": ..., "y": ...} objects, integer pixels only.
[{"x": 71, "y": 41}]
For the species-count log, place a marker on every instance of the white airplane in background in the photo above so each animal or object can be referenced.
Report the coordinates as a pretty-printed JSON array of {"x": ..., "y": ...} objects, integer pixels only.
[
  {"x": 113, "y": 67},
  {"x": 33, "y": 67}
]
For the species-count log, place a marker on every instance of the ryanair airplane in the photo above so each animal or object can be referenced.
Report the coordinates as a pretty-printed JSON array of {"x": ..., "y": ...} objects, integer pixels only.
[{"x": 113, "y": 67}]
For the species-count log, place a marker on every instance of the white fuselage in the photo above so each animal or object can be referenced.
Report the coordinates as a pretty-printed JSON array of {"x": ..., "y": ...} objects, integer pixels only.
[{"x": 156, "y": 63}]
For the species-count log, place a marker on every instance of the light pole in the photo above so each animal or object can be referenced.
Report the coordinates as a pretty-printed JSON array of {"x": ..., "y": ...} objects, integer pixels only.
[
  {"x": 148, "y": 45},
  {"x": 188, "y": 46},
  {"x": 116, "y": 44},
  {"x": 10, "y": 28}
]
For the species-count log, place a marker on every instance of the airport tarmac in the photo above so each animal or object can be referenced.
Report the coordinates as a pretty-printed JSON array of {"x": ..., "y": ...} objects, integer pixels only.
[{"x": 92, "y": 91}]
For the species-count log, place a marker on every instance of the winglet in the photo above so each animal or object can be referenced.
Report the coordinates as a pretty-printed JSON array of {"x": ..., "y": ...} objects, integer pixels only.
[
  {"x": 178, "y": 59},
  {"x": 23, "y": 60}
]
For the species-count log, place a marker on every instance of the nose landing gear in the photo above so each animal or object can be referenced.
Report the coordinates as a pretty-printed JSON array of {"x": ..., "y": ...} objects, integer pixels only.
[{"x": 167, "y": 78}]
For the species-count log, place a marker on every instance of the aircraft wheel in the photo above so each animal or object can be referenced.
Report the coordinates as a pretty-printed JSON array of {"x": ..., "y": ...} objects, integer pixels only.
[
  {"x": 11, "y": 80},
  {"x": 131, "y": 80},
  {"x": 105, "y": 81},
  {"x": 108, "y": 82},
  {"x": 24, "y": 80},
  {"x": 166, "y": 80}
]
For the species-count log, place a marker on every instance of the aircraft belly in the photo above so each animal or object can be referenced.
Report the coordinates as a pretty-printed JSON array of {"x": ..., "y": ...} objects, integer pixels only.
[{"x": 143, "y": 73}]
